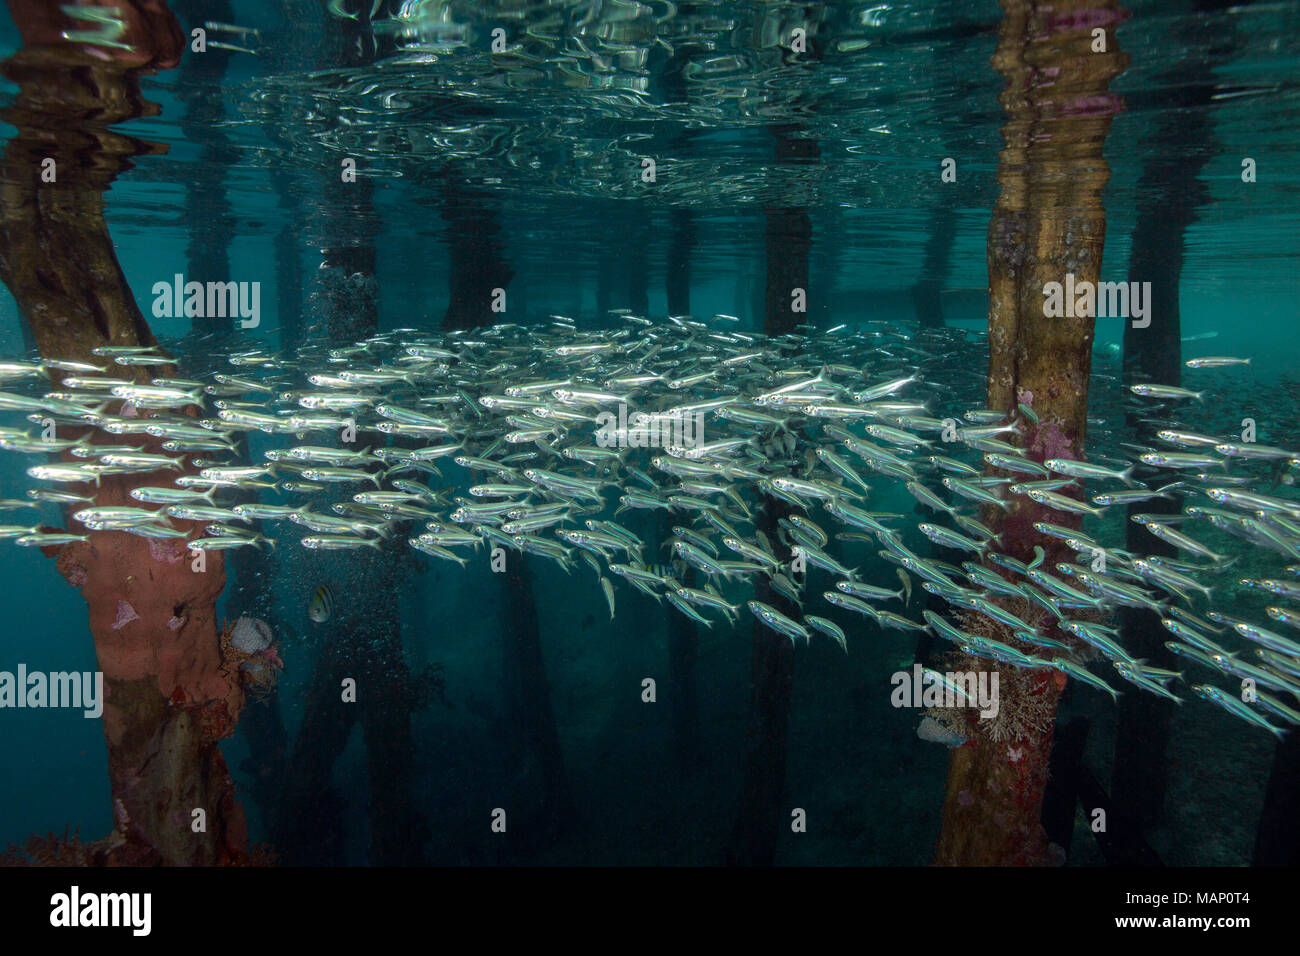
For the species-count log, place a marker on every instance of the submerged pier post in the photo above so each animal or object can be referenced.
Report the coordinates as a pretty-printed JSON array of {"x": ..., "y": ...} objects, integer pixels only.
[
  {"x": 365, "y": 640},
  {"x": 530, "y": 714},
  {"x": 207, "y": 202},
  {"x": 758, "y": 822},
  {"x": 1154, "y": 353},
  {"x": 940, "y": 236},
  {"x": 1170, "y": 192},
  {"x": 263, "y": 725},
  {"x": 478, "y": 264},
  {"x": 479, "y": 267},
  {"x": 1277, "y": 842},
  {"x": 366, "y": 637},
  {"x": 1048, "y": 223},
  {"x": 683, "y": 638},
  {"x": 170, "y": 696}
]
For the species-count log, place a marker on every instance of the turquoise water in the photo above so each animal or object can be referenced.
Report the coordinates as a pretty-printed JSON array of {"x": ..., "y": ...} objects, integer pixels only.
[{"x": 525, "y": 169}]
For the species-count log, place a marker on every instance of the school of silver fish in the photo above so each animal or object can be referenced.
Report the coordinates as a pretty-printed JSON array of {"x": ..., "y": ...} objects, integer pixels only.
[{"x": 550, "y": 439}]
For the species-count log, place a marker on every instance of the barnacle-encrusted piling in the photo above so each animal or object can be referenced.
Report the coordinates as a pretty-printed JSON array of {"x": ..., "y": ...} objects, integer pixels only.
[
  {"x": 1048, "y": 224},
  {"x": 169, "y": 694}
]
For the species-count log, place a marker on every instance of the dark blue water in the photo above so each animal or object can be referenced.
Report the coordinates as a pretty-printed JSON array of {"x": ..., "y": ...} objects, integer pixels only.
[{"x": 532, "y": 159}]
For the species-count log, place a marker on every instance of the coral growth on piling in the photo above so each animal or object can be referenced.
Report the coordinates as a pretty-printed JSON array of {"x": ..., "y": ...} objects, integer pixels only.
[{"x": 1024, "y": 710}]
